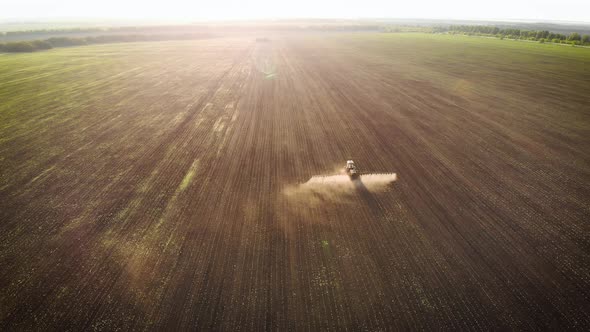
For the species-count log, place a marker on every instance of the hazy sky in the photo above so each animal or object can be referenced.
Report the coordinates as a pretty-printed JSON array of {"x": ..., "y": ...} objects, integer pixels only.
[{"x": 572, "y": 10}]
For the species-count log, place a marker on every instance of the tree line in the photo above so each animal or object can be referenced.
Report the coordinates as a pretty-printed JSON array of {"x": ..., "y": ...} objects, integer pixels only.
[
  {"x": 105, "y": 30},
  {"x": 541, "y": 36},
  {"x": 39, "y": 45}
]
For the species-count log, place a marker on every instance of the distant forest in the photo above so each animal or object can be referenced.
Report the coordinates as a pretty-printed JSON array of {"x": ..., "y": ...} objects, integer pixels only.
[
  {"x": 37, "y": 40},
  {"x": 76, "y": 37},
  {"x": 38, "y": 45},
  {"x": 541, "y": 36},
  {"x": 29, "y": 35}
]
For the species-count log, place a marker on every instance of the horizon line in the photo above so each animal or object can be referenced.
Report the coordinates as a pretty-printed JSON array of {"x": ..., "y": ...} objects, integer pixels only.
[{"x": 81, "y": 19}]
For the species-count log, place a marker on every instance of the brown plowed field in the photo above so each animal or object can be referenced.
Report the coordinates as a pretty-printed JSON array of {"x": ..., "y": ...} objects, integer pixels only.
[{"x": 157, "y": 185}]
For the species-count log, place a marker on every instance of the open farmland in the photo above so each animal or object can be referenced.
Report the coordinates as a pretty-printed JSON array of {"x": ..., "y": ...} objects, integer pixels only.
[{"x": 157, "y": 185}]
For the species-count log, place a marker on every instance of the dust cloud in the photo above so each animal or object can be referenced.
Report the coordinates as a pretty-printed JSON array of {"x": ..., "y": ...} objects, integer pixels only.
[
  {"x": 372, "y": 182},
  {"x": 338, "y": 188}
]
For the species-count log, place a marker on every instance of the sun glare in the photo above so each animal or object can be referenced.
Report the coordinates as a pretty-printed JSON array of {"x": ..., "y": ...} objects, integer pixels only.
[{"x": 575, "y": 10}]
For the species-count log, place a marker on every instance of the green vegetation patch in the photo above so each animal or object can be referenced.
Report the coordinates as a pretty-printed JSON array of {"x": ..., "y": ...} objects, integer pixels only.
[{"x": 189, "y": 176}]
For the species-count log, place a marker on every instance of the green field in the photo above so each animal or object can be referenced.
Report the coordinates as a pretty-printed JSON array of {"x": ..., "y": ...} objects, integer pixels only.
[{"x": 164, "y": 185}]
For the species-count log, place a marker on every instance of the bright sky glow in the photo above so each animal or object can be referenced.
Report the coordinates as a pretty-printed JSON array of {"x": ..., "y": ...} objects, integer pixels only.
[{"x": 565, "y": 10}]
